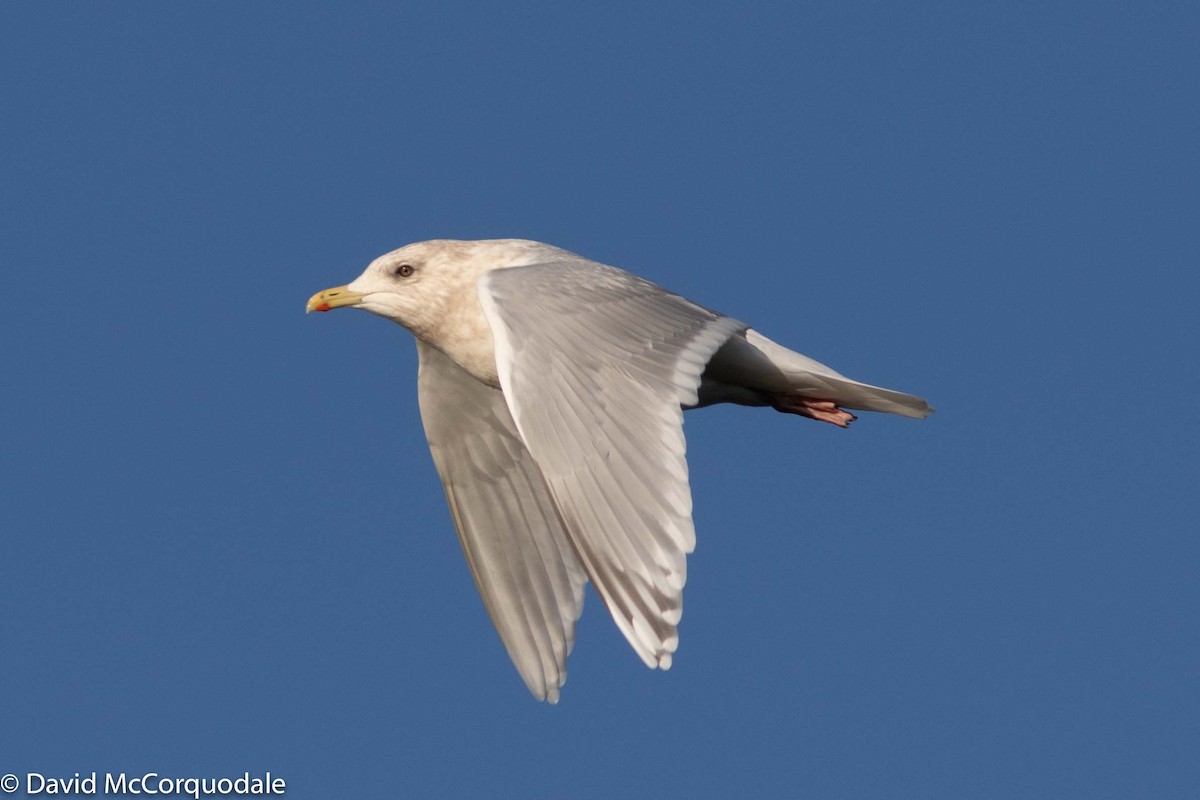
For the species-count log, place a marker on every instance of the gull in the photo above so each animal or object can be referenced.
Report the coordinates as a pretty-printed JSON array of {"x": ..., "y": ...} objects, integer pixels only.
[{"x": 552, "y": 390}]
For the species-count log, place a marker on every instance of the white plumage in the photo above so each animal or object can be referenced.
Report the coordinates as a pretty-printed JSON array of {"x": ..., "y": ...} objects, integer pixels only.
[{"x": 552, "y": 390}]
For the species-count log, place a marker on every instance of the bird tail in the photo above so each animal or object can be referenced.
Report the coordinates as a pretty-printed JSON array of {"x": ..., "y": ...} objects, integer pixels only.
[
  {"x": 798, "y": 374},
  {"x": 848, "y": 393}
]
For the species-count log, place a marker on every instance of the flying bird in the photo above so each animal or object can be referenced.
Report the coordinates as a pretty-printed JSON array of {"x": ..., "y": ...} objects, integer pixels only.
[{"x": 552, "y": 391}]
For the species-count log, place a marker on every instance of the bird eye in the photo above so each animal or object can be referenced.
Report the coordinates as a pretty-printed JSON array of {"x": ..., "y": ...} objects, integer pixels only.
[{"x": 404, "y": 270}]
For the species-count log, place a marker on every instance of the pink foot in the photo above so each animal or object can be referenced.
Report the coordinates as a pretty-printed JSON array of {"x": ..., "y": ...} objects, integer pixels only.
[{"x": 823, "y": 410}]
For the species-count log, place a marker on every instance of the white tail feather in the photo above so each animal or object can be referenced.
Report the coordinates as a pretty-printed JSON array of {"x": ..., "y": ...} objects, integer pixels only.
[{"x": 751, "y": 361}]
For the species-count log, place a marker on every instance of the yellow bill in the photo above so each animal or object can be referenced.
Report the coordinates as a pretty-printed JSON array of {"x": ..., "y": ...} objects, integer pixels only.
[{"x": 333, "y": 298}]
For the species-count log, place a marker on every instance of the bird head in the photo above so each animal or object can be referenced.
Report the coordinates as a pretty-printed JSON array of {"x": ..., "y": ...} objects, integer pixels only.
[{"x": 418, "y": 285}]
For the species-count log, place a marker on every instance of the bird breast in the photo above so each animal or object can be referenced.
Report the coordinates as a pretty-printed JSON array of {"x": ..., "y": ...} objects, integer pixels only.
[{"x": 463, "y": 333}]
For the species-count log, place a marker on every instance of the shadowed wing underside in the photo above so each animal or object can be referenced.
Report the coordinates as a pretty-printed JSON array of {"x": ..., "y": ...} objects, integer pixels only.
[{"x": 520, "y": 557}]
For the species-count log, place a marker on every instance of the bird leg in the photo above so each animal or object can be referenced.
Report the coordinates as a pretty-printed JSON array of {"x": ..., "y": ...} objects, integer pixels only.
[{"x": 822, "y": 410}]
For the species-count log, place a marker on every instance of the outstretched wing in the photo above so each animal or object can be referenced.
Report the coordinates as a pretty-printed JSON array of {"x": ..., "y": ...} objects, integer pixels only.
[
  {"x": 519, "y": 554},
  {"x": 595, "y": 364}
]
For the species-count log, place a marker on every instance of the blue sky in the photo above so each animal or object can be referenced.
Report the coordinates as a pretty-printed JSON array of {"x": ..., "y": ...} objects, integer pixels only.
[{"x": 224, "y": 546}]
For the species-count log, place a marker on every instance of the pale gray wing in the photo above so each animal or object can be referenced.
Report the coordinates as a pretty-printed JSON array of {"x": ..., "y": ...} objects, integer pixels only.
[
  {"x": 595, "y": 364},
  {"x": 519, "y": 554}
]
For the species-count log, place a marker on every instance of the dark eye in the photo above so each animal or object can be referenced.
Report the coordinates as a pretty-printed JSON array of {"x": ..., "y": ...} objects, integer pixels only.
[{"x": 404, "y": 270}]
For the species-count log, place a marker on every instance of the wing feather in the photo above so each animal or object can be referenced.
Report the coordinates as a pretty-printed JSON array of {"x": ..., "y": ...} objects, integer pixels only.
[
  {"x": 595, "y": 365},
  {"x": 520, "y": 557}
]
